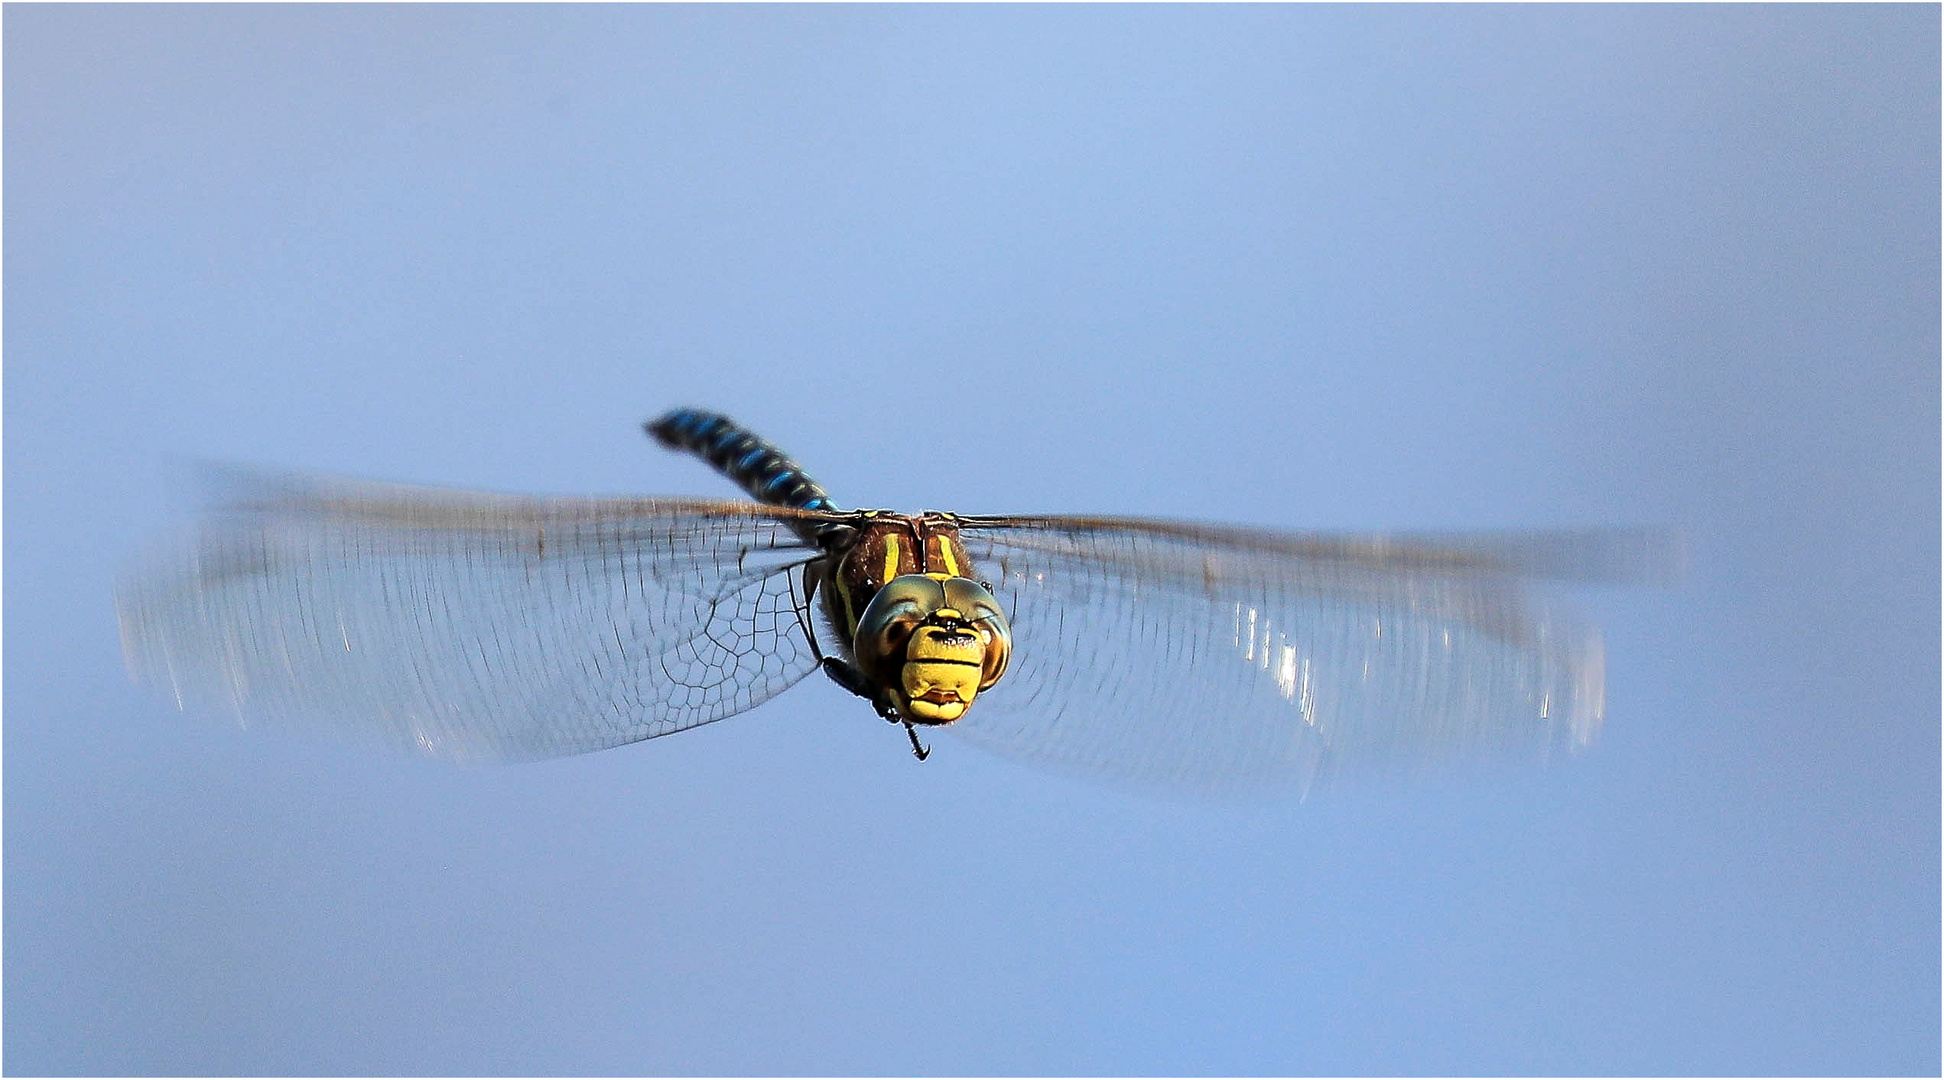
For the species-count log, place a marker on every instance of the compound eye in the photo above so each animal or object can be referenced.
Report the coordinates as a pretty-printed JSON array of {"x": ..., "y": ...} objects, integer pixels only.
[
  {"x": 983, "y": 612},
  {"x": 890, "y": 619},
  {"x": 890, "y": 635}
]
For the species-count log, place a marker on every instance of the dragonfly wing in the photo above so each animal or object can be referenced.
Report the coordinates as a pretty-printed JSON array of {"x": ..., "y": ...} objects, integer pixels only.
[
  {"x": 1206, "y": 658},
  {"x": 470, "y": 626}
]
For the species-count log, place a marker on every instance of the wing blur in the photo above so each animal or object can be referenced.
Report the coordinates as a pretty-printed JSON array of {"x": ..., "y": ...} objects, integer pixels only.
[
  {"x": 469, "y": 626},
  {"x": 1205, "y": 658}
]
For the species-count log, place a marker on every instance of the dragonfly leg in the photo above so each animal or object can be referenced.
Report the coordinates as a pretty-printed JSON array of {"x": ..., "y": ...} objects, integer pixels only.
[
  {"x": 851, "y": 679},
  {"x": 811, "y": 576},
  {"x": 847, "y": 676}
]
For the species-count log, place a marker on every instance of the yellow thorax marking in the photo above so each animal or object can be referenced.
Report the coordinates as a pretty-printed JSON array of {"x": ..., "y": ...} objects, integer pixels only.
[
  {"x": 850, "y": 612},
  {"x": 945, "y": 550},
  {"x": 890, "y": 556}
]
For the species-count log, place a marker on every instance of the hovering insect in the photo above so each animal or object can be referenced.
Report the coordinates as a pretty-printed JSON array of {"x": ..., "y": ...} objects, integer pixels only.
[{"x": 473, "y": 626}]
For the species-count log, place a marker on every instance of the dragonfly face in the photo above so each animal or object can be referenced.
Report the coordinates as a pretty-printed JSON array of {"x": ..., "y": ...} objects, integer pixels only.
[{"x": 931, "y": 643}]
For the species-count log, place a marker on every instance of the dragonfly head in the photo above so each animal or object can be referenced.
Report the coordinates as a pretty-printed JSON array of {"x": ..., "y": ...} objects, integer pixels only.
[{"x": 932, "y": 643}]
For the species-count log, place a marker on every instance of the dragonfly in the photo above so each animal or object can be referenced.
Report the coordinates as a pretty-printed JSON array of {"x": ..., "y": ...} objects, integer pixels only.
[{"x": 471, "y": 626}]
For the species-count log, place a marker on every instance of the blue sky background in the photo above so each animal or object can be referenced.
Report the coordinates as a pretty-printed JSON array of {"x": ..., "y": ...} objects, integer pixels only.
[{"x": 1296, "y": 267}]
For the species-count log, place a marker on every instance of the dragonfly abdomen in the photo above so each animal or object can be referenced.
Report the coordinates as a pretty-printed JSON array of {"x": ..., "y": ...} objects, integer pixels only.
[{"x": 754, "y": 463}]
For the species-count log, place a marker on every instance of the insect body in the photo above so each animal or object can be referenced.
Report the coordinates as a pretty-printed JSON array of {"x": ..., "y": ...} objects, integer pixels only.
[
  {"x": 920, "y": 640},
  {"x": 1174, "y": 654}
]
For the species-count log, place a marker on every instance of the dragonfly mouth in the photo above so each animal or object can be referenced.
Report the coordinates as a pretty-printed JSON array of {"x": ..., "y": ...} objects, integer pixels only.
[{"x": 940, "y": 680}]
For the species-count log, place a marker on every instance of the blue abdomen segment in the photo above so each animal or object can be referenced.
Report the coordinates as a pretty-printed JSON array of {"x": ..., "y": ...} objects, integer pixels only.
[{"x": 756, "y": 465}]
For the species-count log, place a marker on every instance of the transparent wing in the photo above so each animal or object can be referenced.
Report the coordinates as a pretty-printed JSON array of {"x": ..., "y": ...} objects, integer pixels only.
[
  {"x": 1201, "y": 657},
  {"x": 471, "y": 626}
]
